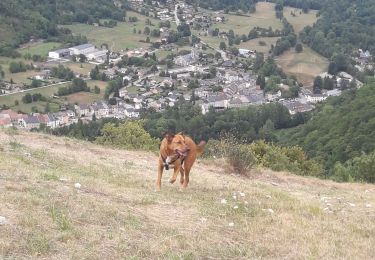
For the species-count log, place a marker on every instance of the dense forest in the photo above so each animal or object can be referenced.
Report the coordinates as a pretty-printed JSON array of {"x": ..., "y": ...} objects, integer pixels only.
[
  {"x": 22, "y": 20},
  {"x": 342, "y": 26},
  {"x": 230, "y": 5},
  {"x": 339, "y": 130}
]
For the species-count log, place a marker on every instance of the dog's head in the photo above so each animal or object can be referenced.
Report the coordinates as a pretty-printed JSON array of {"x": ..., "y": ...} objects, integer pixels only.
[{"x": 176, "y": 143}]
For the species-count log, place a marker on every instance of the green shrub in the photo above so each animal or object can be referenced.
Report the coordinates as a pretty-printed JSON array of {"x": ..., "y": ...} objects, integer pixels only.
[
  {"x": 129, "y": 135},
  {"x": 241, "y": 158},
  {"x": 361, "y": 168}
]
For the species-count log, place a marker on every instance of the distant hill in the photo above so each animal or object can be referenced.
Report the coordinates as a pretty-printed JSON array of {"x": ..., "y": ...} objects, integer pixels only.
[
  {"x": 339, "y": 130},
  {"x": 21, "y": 20},
  {"x": 68, "y": 199}
]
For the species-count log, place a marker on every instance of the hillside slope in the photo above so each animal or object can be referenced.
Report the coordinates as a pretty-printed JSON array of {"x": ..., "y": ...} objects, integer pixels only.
[{"x": 116, "y": 213}]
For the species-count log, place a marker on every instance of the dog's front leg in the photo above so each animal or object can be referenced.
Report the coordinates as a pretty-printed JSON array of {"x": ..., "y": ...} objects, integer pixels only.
[
  {"x": 160, "y": 174},
  {"x": 176, "y": 170}
]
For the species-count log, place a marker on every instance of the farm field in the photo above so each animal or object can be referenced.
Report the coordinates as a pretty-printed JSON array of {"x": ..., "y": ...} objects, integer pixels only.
[
  {"x": 263, "y": 17},
  {"x": 40, "y": 48},
  {"x": 87, "y": 97},
  {"x": 121, "y": 36},
  {"x": 9, "y": 100},
  {"x": 255, "y": 45},
  {"x": 305, "y": 65},
  {"x": 48, "y": 92},
  {"x": 299, "y": 20}
]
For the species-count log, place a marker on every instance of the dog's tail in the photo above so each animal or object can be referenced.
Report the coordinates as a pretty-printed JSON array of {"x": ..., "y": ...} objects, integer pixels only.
[{"x": 200, "y": 148}]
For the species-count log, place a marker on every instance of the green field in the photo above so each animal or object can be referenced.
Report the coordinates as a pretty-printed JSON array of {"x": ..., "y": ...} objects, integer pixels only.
[
  {"x": 256, "y": 46},
  {"x": 40, "y": 48},
  {"x": 305, "y": 65},
  {"x": 121, "y": 36},
  {"x": 299, "y": 20},
  {"x": 263, "y": 17},
  {"x": 81, "y": 97},
  {"x": 23, "y": 77},
  {"x": 27, "y": 108}
]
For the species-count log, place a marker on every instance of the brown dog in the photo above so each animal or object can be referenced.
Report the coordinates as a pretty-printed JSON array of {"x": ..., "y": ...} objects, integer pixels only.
[{"x": 180, "y": 151}]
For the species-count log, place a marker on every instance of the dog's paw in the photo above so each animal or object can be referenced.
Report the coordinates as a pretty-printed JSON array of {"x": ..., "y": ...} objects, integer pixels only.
[{"x": 172, "y": 181}]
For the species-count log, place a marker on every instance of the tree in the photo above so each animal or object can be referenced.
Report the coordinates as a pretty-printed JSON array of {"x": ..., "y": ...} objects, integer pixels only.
[
  {"x": 222, "y": 46},
  {"x": 82, "y": 58},
  {"x": 27, "y": 99},
  {"x": 299, "y": 47},
  {"x": 96, "y": 90},
  {"x": 47, "y": 108},
  {"x": 147, "y": 30},
  {"x": 318, "y": 85}
]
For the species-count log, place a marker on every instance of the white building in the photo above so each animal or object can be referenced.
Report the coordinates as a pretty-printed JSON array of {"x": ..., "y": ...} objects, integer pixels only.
[
  {"x": 315, "y": 98},
  {"x": 82, "y": 49},
  {"x": 97, "y": 54},
  {"x": 58, "y": 54}
]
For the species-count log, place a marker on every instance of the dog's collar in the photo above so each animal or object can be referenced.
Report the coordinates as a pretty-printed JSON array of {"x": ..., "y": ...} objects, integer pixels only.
[{"x": 166, "y": 164}]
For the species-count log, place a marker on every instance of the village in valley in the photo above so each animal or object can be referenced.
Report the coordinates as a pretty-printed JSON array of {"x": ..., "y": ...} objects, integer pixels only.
[{"x": 187, "y": 55}]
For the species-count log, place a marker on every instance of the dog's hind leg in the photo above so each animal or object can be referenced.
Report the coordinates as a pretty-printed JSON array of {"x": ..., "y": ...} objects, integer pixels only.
[
  {"x": 160, "y": 173},
  {"x": 186, "y": 180},
  {"x": 182, "y": 176}
]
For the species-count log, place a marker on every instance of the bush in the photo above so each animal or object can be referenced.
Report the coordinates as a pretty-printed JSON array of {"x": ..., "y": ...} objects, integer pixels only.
[
  {"x": 361, "y": 168},
  {"x": 128, "y": 135},
  {"x": 241, "y": 158}
]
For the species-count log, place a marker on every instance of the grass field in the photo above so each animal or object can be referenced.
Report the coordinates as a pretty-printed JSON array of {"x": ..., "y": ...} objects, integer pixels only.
[
  {"x": 305, "y": 65},
  {"x": 87, "y": 97},
  {"x": 263, "y": 17},
  {"x": 40, "y": 48},
  {"x": 116, "y": 214},
  {"x": 17, "y": 77},
  {"x": 119, "y": 37},
  {"x": 23, "y": 77},
  {"x": 254, "y": 44},
  {"x": 300, "y": 20},
  {"x": 27, "y": 108},
  {"x": 80, "y": 97}
]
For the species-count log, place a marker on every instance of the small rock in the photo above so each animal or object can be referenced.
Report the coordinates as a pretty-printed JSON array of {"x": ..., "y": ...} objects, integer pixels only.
[
  {"x": 368, "y": 205},
  {"x": 234, "y": 197},
  {"x": 270, "y": 211},
  {"x": 235, "y": 207},
  {"x": 3, "y": 220},
  {"x": 77, "y": 185},
  {"x": 242, "y": 194},
  {"x": 275, "y": 184},
  {"x": 268, "y": 197},
  {"x": 231, "y": 224},
  {"x": 351, "y": 204},
  {"x": 223, "y": 201}
]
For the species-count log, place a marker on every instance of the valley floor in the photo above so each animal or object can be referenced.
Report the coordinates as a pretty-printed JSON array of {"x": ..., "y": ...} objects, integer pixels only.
[{"x": 116, "y": 214}]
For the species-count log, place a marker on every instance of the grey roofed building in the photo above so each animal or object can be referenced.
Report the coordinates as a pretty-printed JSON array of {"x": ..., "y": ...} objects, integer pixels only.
[
  {"x": 227, "y": 63},
  {"x": 83, "y": 46},
  {"x": 31, "y": 120}
]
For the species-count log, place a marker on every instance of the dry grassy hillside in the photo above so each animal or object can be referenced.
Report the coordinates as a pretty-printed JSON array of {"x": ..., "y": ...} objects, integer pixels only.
[{"x": 116, "y": 214}]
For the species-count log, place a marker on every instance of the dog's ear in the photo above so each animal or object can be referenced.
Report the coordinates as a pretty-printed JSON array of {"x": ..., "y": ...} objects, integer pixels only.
[{"x": 169, "y": 136}]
